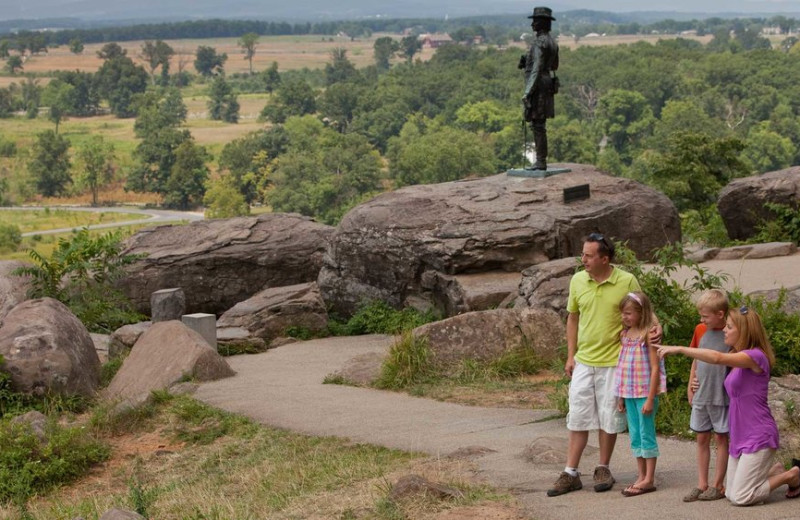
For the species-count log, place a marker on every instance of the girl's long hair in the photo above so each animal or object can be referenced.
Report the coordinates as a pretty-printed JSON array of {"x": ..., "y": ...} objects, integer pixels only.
[
  {"x": 751, "y": 332},
  {"x": 641, "y": 303}
]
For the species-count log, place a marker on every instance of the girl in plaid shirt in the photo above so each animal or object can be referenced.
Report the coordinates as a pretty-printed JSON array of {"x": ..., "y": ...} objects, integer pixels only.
[{"x": 639, "y": 378}]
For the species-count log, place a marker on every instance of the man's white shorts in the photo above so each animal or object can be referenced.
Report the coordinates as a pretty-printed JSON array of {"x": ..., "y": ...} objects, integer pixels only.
[{"x": 592, "y": 403}]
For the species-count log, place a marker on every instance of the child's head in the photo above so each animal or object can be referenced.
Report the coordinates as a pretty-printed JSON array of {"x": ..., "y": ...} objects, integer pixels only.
[
  {"x": 744, "y": 330},
  {"x": 636, "y": 311},
  {"x": 713, "y": 308}
]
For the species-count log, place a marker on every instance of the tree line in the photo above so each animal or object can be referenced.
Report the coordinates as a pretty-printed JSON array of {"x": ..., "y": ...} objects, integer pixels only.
[{"x": 683, "y": 117}]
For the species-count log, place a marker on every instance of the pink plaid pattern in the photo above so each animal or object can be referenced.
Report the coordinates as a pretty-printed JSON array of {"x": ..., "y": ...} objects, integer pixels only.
[{"x": 632, "y": 376}]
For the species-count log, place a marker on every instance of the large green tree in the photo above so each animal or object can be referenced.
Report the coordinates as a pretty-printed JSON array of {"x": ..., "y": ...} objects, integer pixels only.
[
  {"x": 49, "y": 164},
  {"x": 222, "y": 102},
  {"x": 119, "y": 79},
  {"x": 94, "y": 166},
  {"x": 161, "y": 112},
  {"x": 248, "y": 43},
  {"x": 207, "y": 62},
  {"x": 426, "y": 152},
  {"x": 324, "y": 173}
]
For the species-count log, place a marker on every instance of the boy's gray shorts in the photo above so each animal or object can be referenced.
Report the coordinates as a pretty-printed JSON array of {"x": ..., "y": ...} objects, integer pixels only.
[{"x": 709, "y": 417}]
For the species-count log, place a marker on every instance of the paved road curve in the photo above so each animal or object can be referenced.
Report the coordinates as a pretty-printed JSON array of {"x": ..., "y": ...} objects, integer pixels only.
[{"x": 149, "y": 216}]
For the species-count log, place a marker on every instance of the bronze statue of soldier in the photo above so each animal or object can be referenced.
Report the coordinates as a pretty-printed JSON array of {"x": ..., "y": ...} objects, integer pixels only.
[{"x": 541, "y": 84}]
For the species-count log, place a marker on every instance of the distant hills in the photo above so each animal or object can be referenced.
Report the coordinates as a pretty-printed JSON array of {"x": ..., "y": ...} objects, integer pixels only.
[{"x": 94, "y": 11}]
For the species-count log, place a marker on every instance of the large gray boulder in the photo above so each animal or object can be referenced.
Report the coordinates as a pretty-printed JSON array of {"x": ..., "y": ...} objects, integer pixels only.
[
  {"x": 166, "y": 353},
  {"x": 487, "y": 335},
  {"x": 13, "y": 288},
  {"x": 741, "y": 202},
  {"x": 393, "y": 246},
  {"x": 47, "y": 350},
  {"x": 219, "y": 263},
  {"x": 269, "y": 313}
]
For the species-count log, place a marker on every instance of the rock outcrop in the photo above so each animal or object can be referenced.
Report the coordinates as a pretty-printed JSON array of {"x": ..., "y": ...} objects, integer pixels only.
[
  {"x": 219, "y": 263},
  {"x": 13, "y": 288},
  {"x": 166, "y": 353},
  {"x": 791, "y": 301},
  {"x": 47, "y": 350},
  {"x": 547, "y": 285},
  {"x": 268, "y": 314},
  {"x": 486, "y": 335},
  {"x": 741, "y": 202},
  {"x": 393, "y": 247}
]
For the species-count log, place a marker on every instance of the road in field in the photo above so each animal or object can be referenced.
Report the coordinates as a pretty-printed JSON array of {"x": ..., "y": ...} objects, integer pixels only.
[{"x": 149, "y": 216}]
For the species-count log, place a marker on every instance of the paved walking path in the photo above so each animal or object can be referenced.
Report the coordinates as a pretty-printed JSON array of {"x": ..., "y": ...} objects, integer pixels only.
[
  {"x": 283, "y": 388},
  {"x": 149, "y": 216}
]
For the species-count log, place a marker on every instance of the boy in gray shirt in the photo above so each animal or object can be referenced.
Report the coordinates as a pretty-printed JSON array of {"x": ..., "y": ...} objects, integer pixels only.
[{"x": 709, "y": 401}]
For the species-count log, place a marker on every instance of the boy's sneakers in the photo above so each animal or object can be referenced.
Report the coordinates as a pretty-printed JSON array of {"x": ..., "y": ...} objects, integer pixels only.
[
  {"x": 565, "y": 484},
  {"x": 603, "y": 480}
]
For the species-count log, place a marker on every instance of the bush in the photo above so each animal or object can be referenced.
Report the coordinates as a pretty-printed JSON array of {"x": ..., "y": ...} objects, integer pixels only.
[
  {"x": 7, "y": 148},
  {"x": 783, "y": 329},
  {"x": 705, "y": 227},
  {"x": 29, "y": 466},
  {"x": 379, "y": 318},
  {"x": 81, "y": 273},
  {"x": 10, "y": 237},
  {"x": 785, "y": 227}
]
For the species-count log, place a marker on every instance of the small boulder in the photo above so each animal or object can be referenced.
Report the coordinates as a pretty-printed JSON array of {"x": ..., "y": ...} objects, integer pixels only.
[
  {"x": 125, "y": 337},
  {"x": 754, "y": 251},
  {"x": 742, "y": 202},
  {"x": 48, "y": 350},
  {"x": 361, "y": 370},
  {"x": 486, "y": 335},
  {"x": 13, "y": 288},
  {"x": 121, "y": 514},
  {"x": 167, "y": 353},
  {"x": 37, "y": 422},
  {"x": 101, "y": 343},
  {"x": 269, "y": 313},
  {"x": 413, "y": 485},
  {"x": 791, "y": 302}
]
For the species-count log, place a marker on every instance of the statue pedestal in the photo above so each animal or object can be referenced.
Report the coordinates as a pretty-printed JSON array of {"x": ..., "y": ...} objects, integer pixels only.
[{"x": 536, "y": 174}]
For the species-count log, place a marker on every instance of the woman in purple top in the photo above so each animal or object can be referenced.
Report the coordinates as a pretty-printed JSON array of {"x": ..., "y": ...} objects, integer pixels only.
[{"x": 753, "y": 432}]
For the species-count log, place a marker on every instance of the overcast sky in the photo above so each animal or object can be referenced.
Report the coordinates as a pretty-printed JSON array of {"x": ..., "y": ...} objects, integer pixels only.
[{"x": 345, "y": 9}]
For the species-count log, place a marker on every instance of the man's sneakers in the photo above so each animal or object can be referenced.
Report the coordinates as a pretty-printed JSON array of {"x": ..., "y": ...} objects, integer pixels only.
[
  {"x": 565, "y": 484},
  {"x": 603, "y": 480}
]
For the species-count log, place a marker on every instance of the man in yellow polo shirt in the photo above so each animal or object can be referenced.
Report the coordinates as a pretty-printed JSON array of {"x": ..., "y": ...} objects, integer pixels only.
[{"x": 593, "y": 327}]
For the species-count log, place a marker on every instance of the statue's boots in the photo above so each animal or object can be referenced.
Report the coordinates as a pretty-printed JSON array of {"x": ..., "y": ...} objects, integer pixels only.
[{"x": 540, "y": 141}]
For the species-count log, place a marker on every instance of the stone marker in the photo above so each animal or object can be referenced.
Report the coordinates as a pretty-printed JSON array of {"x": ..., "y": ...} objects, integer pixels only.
[
  {"x": 204, "y": 324},
  {"x": 167, "y": 304}
]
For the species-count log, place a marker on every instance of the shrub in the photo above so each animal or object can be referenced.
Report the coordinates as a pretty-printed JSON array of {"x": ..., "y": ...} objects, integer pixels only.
[
  {"x": 785, "y": 227},
  {"x": 8, "y": 148},
  {"x": 29, "y": 466},
  {"x": 81, "y": 273},
  {"x": 10, "y": 237},
  {"x": 379, "y": 318},
  {"x": 783, "y": 329},
  {"x": 705, "y": 227}
]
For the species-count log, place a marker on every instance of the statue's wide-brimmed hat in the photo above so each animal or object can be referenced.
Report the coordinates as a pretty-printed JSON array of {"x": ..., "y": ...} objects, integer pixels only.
[{"x": 542, "y": 12}]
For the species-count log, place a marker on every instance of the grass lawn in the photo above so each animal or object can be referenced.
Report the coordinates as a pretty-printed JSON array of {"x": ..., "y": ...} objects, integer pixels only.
[{"x": 180, "y": 459}]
